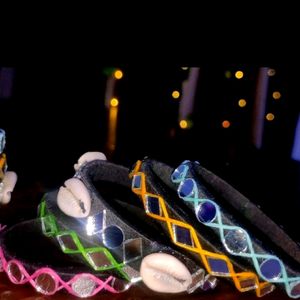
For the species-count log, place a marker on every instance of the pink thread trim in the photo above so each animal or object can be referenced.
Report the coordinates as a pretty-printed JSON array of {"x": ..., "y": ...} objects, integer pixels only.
[{"x": 59, "y": 283}]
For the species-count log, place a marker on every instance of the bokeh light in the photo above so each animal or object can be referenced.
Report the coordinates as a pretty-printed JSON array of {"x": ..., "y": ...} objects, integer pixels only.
[
  {"x": 271, "y": 72},
  {"x": 228, "y": 74},
  {"x": 175, "y": 94},
  {"x": 270, "y": 117},
  {"x": 242, "y": 103},
  {"x": 183, "y": 124},
  {"x": 276, "y": 95},
  {"x": 114, "y": 102},
  {"x": 239, "y": 74},
  {"x": 118, "y": 74},
  {"x": 226, "y": 124}
]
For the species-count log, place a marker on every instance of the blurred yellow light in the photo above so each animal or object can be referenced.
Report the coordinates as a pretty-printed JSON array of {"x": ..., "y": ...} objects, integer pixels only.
[
  {"x": 184, "y": 68},
  {"x": 239, "y": 74},
  {"x": 226, "y": 124},
  {"x": 175, "y": 94},
  {"x": 270, "y": 117},
  {"x": 228, "y": 74},
  {"x": 276, "y": 95},
  {"x": 118, "y": 74},
  {"x": 242, "y": 103},
  {"x": 183, "y": 124},
  {"x": 114, "y": 102},
  {"x": 271, "y": 72}
]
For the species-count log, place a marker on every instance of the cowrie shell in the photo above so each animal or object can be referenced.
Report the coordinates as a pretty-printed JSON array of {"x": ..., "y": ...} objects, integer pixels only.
[
  {"x": 74, "y": 199},
  {"x": 88, "y": 156},
  {"x": 9, "y": 182},
  {"x": 164, "y": 273}
]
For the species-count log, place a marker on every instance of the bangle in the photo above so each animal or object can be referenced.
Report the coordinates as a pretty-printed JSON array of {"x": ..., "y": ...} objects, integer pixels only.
[
  {"x": 7, "y": 179},
  {"x": 93, "y": 248},
  {"x": 192, "y": 181},
  {"x": 3, "y": 162},
  {"x": 151, "y": 181},
  {"x": 48, "y": 280}
]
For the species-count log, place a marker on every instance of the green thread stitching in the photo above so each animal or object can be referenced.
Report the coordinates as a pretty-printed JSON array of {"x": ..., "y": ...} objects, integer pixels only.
[{"x": 50, "y": 229}]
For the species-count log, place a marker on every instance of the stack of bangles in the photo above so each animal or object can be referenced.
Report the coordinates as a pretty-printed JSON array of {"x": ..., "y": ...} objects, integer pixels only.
[
  {"x": 169, "y": 230},
  {"x": 92, "y": 235},
  {"x": 206, "y": 216}
]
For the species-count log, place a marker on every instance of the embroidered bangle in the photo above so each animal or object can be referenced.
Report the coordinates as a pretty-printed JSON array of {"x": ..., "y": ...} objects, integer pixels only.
[
  {"x": 8, "y": 179},
  {"x": 48, "y": 282},
  {"x": 70, "y": 244},
  {"x": 148, "y": 185},
  {"x": 45, "y": 279},
  {"x": 235, "y": 239},
  {"x": 3, "y": 162},
  {"x": 3, "y": 166}
]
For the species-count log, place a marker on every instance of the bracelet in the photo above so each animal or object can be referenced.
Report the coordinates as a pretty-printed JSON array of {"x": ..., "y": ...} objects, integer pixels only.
[
  {"x": 47, "y": 280},
  {"x": 8, "y": 179},
  {"x": 189, "y": 178}
]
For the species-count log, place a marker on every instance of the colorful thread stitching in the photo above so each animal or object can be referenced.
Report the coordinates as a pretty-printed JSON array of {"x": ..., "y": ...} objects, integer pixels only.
[
  {"x": 217, "y": 223},
  {"x": 239, "y": 279}
]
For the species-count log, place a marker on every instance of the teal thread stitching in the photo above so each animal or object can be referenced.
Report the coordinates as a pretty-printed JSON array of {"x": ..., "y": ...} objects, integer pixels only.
[{"x": 289, "y": 282}]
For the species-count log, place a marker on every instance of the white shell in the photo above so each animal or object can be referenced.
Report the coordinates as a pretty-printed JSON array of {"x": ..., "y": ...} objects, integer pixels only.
[
  {"x": 9, "y": 182},
  {"x": 74, "y": 199},
  {"x": 164, "y": 273},
  {"x": 89, "y": 156}
]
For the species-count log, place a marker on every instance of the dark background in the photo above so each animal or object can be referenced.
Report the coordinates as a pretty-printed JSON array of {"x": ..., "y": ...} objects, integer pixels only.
[{"x": 56, "y": 113}]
